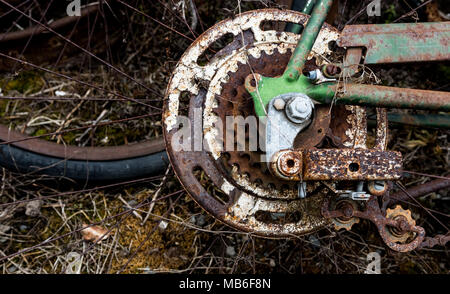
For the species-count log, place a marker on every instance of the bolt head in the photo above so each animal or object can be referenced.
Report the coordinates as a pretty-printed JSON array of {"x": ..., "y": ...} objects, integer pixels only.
[
  {"x": 299, "y": 109},
  {"x": 279, "y": 104},
  {"x": 379, "y": 185}
]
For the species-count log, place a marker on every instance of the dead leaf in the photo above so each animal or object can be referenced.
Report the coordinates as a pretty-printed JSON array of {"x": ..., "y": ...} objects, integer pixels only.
[
  {"x": 33, "y": 208},
  {"x": 94, "y": 233},
  {"x": 414, "y": 143}
]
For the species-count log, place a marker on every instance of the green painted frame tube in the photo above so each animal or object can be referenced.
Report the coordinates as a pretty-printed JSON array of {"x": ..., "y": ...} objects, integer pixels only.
[
  {"x": 380, "y": 96},
  {"x": 296, "y": 28},
  {"x": 307, "y": 39},
  {"x": 421, "y": 120}
]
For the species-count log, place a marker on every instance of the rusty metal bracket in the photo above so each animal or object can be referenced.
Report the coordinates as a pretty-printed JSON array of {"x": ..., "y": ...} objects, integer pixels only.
[
  {"x": 397, "y": 43},
  {"x": 337, "y": 164},
  {"x": 384, "y": 224}
]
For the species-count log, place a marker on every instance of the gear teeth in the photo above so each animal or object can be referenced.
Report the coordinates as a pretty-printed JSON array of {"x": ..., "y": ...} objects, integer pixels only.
[
  {"x": 397, "y": 211},
  {"x": 347, "y": 226},
  {"x": 392, "y": 213},
  {"x": 234, "y": 100}
]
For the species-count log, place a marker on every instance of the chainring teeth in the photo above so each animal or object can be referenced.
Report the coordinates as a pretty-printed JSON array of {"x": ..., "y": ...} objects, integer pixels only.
[
  {"x": 239, "y": 100},
  {"x": 249, "y": 197}
]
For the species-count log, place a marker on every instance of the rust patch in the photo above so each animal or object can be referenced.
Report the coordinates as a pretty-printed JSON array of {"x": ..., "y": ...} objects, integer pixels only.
[{"x": 351, "y": 164}]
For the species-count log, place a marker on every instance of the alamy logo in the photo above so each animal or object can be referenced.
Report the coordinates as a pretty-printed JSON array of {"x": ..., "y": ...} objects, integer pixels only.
[
  {"x": 74, "y": 8},
  {"x": 374, "y": 266},
  {"x": 374, "y": 8}
]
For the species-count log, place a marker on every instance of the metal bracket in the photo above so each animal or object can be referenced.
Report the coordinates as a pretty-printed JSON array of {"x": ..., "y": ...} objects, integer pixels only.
[
  {"x": 400, "y": 42},
  {"x": 337, "y": 165}
]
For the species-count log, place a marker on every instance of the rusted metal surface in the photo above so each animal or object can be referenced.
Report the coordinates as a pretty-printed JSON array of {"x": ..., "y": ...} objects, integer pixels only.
[
  {"x": 404, "y": 219},
  {"x": 240, "y": 175},
  {"x": 421, "y": 120},
  {"x": 346, "y": 221},
  {"x": 287, "y": 164},
  {"x": 331, "y": 70},
  {"x": 394, "y": 43},
  {"x": 384, "y": 224},
  {"x": 234, "y": 100},
  {"x": 337, "y": 165},
  {"x": 439, "y": 240},
  {"x": 352, "y": 61},
  {"x": 317, "y": 131},
  {"x": 44, "y": 147},
  {"x": 351, "y": 164},
  {"x": 247, "y": 199}
]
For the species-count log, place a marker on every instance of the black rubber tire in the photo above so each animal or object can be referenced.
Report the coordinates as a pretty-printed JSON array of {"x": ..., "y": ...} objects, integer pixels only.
[{"x": 23, "y": 161}]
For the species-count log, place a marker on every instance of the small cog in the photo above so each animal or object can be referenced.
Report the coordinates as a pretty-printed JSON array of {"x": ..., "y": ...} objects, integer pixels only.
[
  {"x": 398, "y": 213},
  {"x": 342, "y": 222}
]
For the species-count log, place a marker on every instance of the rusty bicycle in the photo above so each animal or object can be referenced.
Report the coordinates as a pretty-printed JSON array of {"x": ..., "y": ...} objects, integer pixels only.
[
  {"x": 274, "y": 120},
  {"x": 319, "y": 166}
]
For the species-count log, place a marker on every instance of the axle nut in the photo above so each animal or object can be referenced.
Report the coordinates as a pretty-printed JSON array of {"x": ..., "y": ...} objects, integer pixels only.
[
  {"x": 289, "y": 164},
  {"x": 299, "y": 109}
]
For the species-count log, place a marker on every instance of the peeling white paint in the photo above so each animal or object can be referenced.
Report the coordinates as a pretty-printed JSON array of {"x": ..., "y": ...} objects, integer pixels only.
[{"x": 185, "y": 78}]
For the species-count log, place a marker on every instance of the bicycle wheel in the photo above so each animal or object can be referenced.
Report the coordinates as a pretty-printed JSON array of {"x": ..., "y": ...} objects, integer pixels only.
[{"x": 52, "y": 42}]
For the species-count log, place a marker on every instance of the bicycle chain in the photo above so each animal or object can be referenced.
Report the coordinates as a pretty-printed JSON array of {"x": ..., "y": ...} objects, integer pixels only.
[{"x": 387, "y": 223}]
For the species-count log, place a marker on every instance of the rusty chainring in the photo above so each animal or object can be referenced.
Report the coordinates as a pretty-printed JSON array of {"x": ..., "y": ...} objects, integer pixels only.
[{"x": 240, "y": 191}]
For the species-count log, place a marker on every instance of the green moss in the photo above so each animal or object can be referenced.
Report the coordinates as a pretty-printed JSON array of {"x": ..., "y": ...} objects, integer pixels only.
[
  {"x": 26, "y": 82},
  {"x": 40, "y": 132},
  {"x": 3, "y": 104},
  {"x": 390, "y": 13},
  {"x": 69, "y": 137}
]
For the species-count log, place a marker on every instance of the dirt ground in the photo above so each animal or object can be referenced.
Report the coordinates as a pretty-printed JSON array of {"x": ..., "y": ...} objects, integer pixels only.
[{"x": 173, "y": 234}]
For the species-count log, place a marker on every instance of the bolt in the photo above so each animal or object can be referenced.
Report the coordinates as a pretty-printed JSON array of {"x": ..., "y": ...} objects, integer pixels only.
[
  {"x": 377, "y": 188},
  {"x": 299, "y": 109},
  {"x": 348, "y": 211},
  {"x": 332, "y": 70},
  {"x": 289, "y": 163},
  {"x": 312, "y": 75},
  {"x": 379, "y": 185},
  {"x": 279, "y": 104}
]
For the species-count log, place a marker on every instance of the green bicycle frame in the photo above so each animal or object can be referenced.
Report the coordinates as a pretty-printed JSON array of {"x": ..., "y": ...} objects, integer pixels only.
[{"x": 433, "y": 39}]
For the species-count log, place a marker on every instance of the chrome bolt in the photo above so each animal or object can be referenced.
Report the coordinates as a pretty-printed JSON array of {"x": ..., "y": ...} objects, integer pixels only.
[
  {"x": 377, "y": 188},
  {"x": 379, "y": 185},
  {"x": 299, "y": 109}
]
